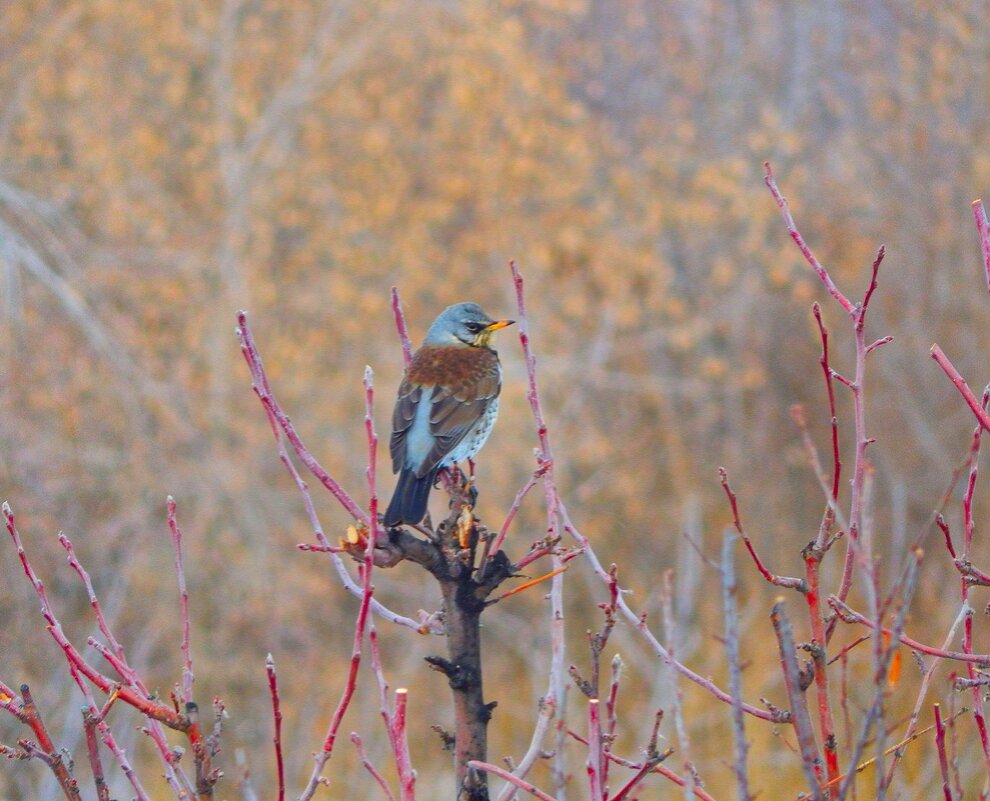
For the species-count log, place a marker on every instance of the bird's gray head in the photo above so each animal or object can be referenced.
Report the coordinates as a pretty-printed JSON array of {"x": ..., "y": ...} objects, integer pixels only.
[{"x": 463, "y": 324}]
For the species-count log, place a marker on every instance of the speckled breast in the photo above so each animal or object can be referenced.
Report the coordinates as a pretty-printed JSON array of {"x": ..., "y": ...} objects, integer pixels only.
[{"x": 475, "y": 438}]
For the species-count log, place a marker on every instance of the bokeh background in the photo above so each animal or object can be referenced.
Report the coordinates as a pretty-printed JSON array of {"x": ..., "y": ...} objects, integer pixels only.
[{"x": 163, "y": 164}]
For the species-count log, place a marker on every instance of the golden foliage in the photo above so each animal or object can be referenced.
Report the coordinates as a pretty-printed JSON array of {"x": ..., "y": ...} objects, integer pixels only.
[{"x": 167, "y": 163}]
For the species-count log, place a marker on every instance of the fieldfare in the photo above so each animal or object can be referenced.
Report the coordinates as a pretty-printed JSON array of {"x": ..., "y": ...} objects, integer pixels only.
[{"x": 446, "y": 407}]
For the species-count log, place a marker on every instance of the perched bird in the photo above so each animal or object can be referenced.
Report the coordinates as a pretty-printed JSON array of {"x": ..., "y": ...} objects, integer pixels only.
[{"x": 446, "y": 406}]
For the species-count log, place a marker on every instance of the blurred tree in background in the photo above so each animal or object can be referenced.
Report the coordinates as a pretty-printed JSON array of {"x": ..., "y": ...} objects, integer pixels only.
[{"x": 163, "y": 164}]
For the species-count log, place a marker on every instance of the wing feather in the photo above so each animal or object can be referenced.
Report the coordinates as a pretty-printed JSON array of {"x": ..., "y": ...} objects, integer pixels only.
[{"x": 459, "y": 386}]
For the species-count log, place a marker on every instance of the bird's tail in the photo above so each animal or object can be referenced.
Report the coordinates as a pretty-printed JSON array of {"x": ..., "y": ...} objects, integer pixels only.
[{"x": 408, "y": 504}]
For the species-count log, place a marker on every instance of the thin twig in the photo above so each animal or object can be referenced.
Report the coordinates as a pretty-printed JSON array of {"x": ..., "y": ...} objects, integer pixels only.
[
  {"x": 407, "y": 776},
  {"x": 277, "y": 718},
  {"x": 785, "y": 210},
  {"x": 502, "y": 773},
  {"x": 595, "y": 762},
  {"x": 780, "y": 581},
  {"x": 370, "y": 767},
  {"x": 943, "y": 762},
  {"x": 662, "y": 770},
  {"x": 969, "y": 528},
  {"x": 960, "y": 384},
  {"x": 964, "y": 613},
  {"x": 400, "y": 326},
  {"x": 187, "y": 666}
]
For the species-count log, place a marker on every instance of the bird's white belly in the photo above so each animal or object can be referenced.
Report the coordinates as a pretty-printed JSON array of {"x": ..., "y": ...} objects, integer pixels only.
[{"x": 474, "y": 438}]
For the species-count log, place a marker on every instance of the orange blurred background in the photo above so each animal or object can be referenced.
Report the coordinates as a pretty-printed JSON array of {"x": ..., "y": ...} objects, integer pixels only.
[{"x": 167, "y": 163}]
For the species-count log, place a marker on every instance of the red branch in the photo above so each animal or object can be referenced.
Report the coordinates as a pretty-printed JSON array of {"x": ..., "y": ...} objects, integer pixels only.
[
  {"x": 400, "y": 325},
  {"x": 857, "y": 313},
  {"x": 660, "y": 769},
  {"x": 830, "y": 388},
  {"x": 397, "y": 733},
  {"x": 780, "y": 581},
  {"x": 280, "y": 420},
  {"x": 116, "y": 657},
  {"x": 54, "y": 757},
  {"x": 943, "y": 762},
  {"x": 538, "y": 473},
  {"x": 277, "y": 717},
  {"x": 368, "y": 766},
  {"x": 502, "y": 773},
  {"x": 361, "y": 625},
  {"x": 143, "y": 704},
  {"x": 960, "y": 384},
  {"x": 849, "y": 615},
  {"x": 802, "y": 245},
  {"x": 969, "y": 527},
  {"x": 594, "y": 763},
  {"x": 93, "y": 752}
]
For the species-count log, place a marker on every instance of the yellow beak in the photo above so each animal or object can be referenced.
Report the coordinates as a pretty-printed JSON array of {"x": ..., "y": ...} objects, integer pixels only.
[{"x": 499, "y": 324}]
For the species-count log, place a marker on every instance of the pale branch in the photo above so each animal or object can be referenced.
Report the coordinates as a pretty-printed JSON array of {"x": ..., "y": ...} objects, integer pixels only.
[
  {"x": 730, "y": 620},
  {"x": 811, "y": 762},
  {"x": 187, "y": 665}
]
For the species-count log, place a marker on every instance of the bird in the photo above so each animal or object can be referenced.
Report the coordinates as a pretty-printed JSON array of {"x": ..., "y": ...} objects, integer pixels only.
[{"x": 446, "y": 405}]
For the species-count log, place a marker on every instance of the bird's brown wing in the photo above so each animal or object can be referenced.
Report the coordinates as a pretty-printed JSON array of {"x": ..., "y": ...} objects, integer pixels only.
[
  {"x": 402, "y": 417},
  {"x": 455, "y": 413},
  {"x": 459, "y": 384}
]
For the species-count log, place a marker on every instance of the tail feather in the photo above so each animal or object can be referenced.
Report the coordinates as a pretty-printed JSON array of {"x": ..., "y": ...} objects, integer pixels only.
[{"x": 408, "y": 504}]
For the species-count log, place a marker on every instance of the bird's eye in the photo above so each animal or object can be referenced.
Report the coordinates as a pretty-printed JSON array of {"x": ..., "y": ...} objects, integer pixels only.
[{"x": 474, "y": 328}]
